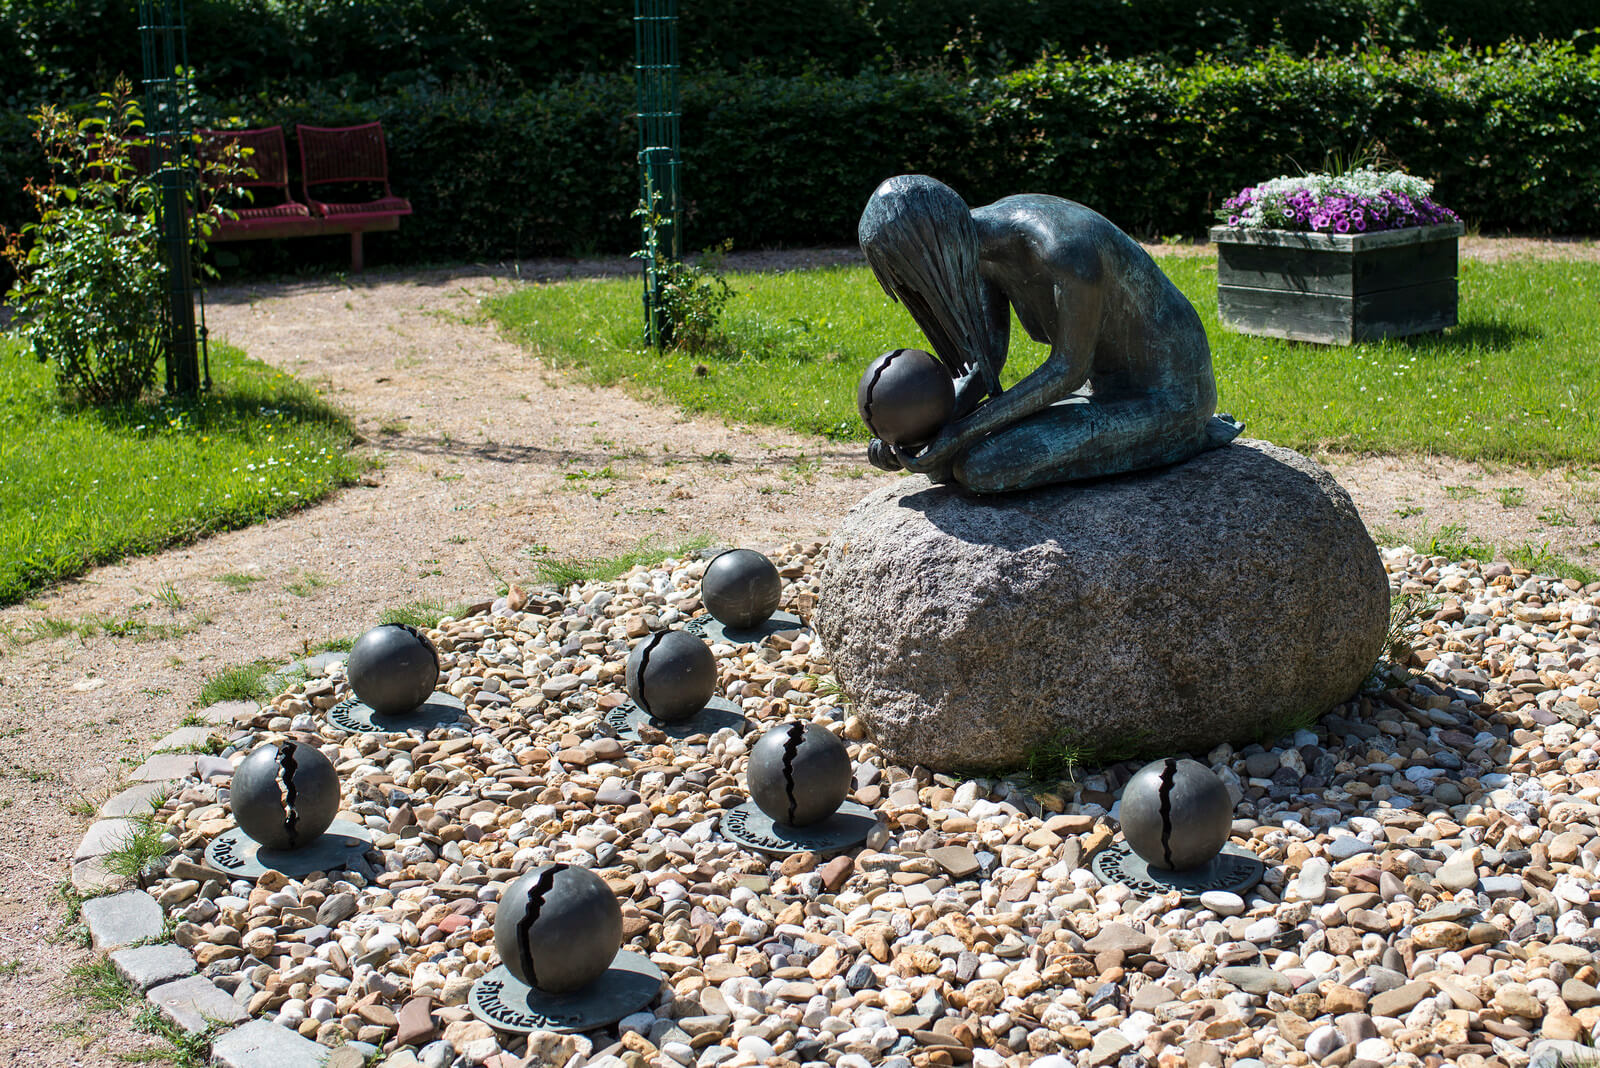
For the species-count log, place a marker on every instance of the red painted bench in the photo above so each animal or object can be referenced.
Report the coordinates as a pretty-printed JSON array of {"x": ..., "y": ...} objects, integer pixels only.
[{"x": 343, "y": 159}]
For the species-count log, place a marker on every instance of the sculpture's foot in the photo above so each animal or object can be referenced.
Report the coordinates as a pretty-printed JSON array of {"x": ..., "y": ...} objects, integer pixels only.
[{"x": 1222, "y": 429}]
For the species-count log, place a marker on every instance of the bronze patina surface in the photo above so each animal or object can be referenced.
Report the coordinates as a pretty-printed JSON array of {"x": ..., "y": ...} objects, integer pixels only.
[{"x": 1127, "y": 383}]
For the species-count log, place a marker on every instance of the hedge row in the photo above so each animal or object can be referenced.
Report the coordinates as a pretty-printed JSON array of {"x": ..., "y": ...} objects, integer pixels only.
[
  {"x": 244, "y": 46},
  {"x": 1508, "y": 135}
]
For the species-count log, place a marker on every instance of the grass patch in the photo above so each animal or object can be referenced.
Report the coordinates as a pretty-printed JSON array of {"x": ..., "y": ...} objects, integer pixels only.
[
  {"x": 86, "y": 486},
  {"x": 242, "y": 682},
  {"x": 138, "y": 851},
  {"x": 1513, "y": 381},
  {"x": 97, "y": 983},
  {"x": 330, "y": 645},
  {"x": 308, "y": 581},
  {"x": 1407, "y": 613},
  {"x": 71, "y": 929},
  {"x": 184, "y": 1049},
  {"x": 1453, "y": 541},
  {"x": 237, "y": 581},
  {"x": 212, "y": 746},
  {"x": 562, "y": 573},
  {"x": 424, "y": 614}
]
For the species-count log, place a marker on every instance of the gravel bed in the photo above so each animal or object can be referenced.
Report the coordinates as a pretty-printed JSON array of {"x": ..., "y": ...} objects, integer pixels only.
[{"x": 1430, "y": 893}]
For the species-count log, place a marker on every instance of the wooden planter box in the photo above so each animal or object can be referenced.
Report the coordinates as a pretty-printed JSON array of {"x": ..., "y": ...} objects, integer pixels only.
[{"x": 1337, "y": 289}]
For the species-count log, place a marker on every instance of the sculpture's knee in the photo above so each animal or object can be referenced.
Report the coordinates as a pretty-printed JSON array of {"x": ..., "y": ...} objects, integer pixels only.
[{"x": 984, "y": 469}]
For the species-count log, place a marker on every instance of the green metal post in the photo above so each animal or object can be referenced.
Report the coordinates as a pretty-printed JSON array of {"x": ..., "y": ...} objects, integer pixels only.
[
  {"x": 655, "y": 39},
  {"x": 170, "y": 128}
]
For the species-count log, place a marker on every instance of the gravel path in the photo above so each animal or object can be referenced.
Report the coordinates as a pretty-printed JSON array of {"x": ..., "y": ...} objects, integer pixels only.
[{"x": 474, "y": 443}]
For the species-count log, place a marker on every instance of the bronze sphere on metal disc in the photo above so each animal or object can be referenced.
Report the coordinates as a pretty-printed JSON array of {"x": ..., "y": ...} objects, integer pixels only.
[
  {"x": 1176, "y": 814},
  {"x": 671, "y": 675},
  {"x": 558, "y": 928},
  {"x": 285, "y": 796},
  {"x": 741, "y": 588},
  {"x": 393, "y": 668},
  {"x": 799, "y": 773}
]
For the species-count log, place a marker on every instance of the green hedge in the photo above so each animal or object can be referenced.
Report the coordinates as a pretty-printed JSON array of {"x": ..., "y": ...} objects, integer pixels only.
[
  {"x": 245, "y": 46},
  {"x": 1508, "y": 135}
]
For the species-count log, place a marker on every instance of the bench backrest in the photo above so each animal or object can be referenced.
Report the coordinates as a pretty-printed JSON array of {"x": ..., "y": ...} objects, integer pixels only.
[
  {"x": 268, "y": 159},
  {"x": 343, "y": 154}
]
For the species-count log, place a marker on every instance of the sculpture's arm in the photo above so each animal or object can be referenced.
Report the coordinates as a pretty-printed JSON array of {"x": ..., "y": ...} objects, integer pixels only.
[{"x": 1063, "y": 373}]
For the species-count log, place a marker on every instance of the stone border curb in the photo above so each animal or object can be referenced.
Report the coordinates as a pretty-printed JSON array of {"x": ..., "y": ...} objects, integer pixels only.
[{"x": 127, "y": 926}]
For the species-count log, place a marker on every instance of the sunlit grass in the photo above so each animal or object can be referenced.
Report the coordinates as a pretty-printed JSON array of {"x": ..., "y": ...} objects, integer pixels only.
[
  {"x": 1515, "y": 381},
  {"x": 85, "y": 486},
  {"x": 562, "y": 573}
]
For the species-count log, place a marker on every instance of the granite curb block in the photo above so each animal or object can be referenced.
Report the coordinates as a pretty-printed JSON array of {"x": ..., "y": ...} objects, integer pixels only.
[
  {"x": 195, "y": 1003},
  {"x": 260, "y": 1043},
  {"x": 165, "y": 972},
  {"x": 150, "y": 966},
  {"x": 123, "y": 919},
  {"x": 183, "y": 738}
]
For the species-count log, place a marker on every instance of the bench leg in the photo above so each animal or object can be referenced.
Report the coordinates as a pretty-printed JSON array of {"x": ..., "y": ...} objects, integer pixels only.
[{"x": 357, "y": 264}]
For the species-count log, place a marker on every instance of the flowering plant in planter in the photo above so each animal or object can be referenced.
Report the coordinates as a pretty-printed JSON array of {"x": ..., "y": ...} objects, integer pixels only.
[{"x": 1358, "y": 201}]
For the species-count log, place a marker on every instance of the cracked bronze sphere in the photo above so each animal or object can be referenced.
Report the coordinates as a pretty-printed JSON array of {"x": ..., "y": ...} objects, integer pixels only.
[
  {"x": 741, "y": 587},
  {"x": 905, "y": 396},
  {"x": 799, "y": 773},
  {"x": 671, "y": 675},
  {"x": 393, "y": 668},
  {"x": 1176, "y": 814},
  {"x": 558, "y": 928},
  {"x": 284, "y": 796}
]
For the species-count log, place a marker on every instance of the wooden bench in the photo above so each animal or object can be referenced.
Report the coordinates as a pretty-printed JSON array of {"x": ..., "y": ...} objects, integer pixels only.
[{"x": 341, "y": 158}]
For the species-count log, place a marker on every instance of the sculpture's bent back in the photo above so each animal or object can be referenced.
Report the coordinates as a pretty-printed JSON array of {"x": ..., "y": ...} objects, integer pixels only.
[{"x": 1127, "y": 383}]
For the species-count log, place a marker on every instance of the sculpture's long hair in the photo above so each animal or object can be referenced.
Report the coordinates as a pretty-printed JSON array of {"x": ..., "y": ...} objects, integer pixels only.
[{"x": 921, "y": 243}]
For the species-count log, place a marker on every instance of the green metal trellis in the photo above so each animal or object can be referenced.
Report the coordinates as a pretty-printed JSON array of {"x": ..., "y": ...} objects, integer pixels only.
[
  {"x": 655, "y": 40},
  {"x": 169, "y": 125}
]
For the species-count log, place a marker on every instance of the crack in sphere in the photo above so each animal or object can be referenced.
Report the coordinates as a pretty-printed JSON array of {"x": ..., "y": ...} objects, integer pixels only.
[
  {"x": 558, "y": 928},
  {"x": 285, "y": 797},
  {"x": 1176, "y": 814},
  {"x": 741, "y": 588},
  {"x": 671, "y": 675},
  {"x": 799, "y": 773},
  {"x": 393, "y": 668}
]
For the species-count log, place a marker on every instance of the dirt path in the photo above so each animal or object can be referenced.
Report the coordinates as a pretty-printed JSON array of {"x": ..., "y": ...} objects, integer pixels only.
[{"x": 483, "y": 455}]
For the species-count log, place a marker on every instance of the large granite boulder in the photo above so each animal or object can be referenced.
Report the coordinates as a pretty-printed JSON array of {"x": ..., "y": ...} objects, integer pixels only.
[{"x": 1216, "y": 600}]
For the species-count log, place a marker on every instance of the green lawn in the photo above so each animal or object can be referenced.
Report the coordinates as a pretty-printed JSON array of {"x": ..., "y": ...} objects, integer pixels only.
[
  {"x": 1514, "y": 381},
  {"x": 84, "y": 486}
]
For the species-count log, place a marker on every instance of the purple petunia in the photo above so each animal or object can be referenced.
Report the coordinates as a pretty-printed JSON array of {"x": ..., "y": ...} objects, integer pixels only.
[{"x": 1361, "y": 201}]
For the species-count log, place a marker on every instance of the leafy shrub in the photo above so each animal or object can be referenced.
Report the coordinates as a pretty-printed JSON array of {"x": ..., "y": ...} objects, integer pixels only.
[
  {"x": 89, "y": 274},
  {"x": 689, "y": 297},
  {"x": 89, "y": 278},
  {"x": 250, "y": 46},
  {"x": 1504, "y": 134}
]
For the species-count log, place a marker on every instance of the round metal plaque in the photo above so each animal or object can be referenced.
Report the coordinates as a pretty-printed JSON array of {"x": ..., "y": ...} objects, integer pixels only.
[
  {"x": 1235, "y": 870},
  {"x": 506, "y": 1003},
  {"x": 242, "y": 857},
  {"x": 440, "y": 710},
  {"x": 845, "y": 829},
  {"x": 718, "y": 713},
  {"x": 713, "y": 630}
]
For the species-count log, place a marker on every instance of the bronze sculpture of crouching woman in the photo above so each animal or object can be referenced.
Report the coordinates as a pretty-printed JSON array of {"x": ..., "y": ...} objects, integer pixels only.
[{"x": 1127, "y": 383}]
